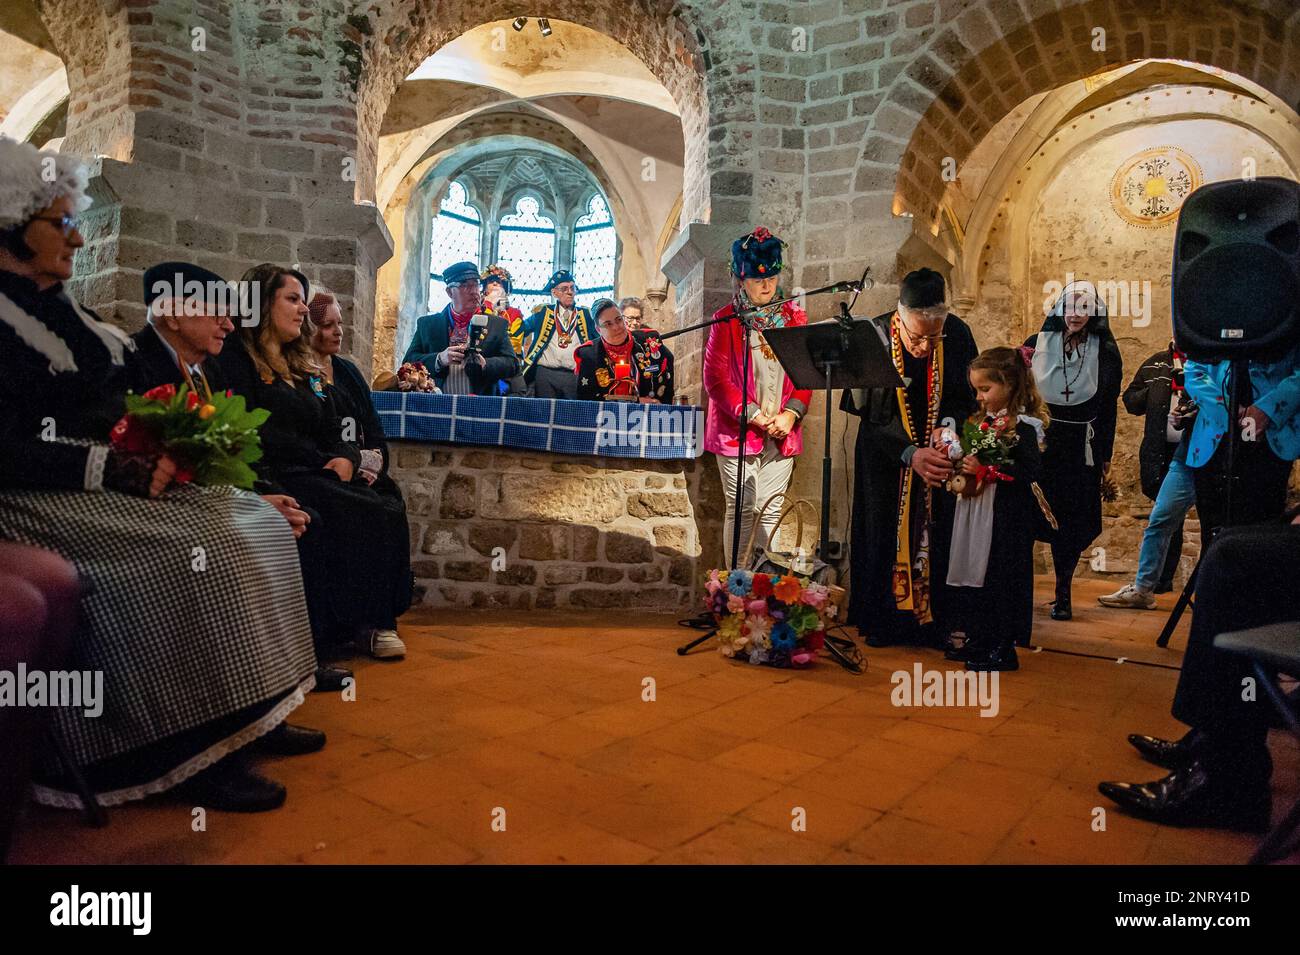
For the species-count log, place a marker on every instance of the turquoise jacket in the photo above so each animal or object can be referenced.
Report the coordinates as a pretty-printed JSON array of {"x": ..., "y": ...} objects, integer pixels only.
[{"x": 1276, "y": 390}]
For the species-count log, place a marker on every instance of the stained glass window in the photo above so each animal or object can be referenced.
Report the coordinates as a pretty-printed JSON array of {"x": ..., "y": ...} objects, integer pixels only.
[
  {"x": 593, "y": 253},
  {"x": 456, "y": 238},
  {"x": 526, "y": 247}
]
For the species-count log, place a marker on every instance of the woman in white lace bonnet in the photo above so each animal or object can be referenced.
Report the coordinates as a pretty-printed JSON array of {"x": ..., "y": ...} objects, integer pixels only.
[{"x": 192, "y": 666}]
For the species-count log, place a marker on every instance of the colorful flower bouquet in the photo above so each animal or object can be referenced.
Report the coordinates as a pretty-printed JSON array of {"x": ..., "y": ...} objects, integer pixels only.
[
  {"x": 212, "y": 442},
  {"x": 413, "y": 376},
  {"x": 990, "y": 438},
  {"x": 773, "y": 619}
]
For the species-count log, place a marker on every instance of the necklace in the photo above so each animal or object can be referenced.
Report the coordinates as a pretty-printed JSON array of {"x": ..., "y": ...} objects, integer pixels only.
[
  {"x": 1082, "y": 352},
  {"x": 564, "y": 331}
]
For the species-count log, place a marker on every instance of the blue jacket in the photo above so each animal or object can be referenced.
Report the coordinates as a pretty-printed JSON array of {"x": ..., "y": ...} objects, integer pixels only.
[
  {"x": 541, "y": 324},
  {"x": 1276, "y": 390}
]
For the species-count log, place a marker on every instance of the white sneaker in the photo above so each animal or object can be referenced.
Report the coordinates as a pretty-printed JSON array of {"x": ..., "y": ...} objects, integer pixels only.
[
  {"x": 384, "y": 645},
  {"x": 1129, "y": 597}
]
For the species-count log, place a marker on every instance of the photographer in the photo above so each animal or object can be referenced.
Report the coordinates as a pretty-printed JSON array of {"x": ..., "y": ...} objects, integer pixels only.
[
  {"x": 443, "y": 342},
  {"x": 1158, "y": 392}
]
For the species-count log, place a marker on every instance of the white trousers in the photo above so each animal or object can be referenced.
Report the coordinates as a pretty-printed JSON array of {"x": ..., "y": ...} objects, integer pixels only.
[{"x": 766, "y": 474}]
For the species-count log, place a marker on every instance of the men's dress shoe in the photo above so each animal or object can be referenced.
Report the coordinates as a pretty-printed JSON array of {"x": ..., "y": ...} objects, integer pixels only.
[
  {"x": 1167, "y": 753},
  {"x": 231, "y": 786},
  {"x": 330, "y": 679},
  {"x": 1000, "y": 657},
  {"x": 288, "y": 740},
  {"x": 879, "y": 640},
  {"x": 1061, "y": 609},
  {"x": 1189, "y": 797}
]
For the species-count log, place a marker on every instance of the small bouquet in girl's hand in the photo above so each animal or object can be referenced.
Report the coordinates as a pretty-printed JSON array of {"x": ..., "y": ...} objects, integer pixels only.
[
  {"x": 212, "y": 442},
  {"x": 413, "y": 376},
  {"x": 989, "y": 439}
]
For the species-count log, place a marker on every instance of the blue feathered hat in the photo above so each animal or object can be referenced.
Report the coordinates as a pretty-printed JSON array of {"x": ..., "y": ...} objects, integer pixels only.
[{"x": 757, "y": 255}]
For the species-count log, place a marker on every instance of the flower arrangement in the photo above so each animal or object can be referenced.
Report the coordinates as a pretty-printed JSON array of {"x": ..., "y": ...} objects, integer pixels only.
[
  {"x": 779, "y": 620},
  {"x": 212, "y": 442},
  {"x": 413, "y": 376},
  {"x": 989, "y": 438}
]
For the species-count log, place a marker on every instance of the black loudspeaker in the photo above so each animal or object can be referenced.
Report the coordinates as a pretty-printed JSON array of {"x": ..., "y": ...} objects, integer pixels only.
[{"x": 1236, "y": 282}]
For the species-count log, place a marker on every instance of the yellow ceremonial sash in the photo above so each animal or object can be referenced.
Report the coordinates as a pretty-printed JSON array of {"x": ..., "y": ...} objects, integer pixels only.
[{"x": 911, "y": 579}]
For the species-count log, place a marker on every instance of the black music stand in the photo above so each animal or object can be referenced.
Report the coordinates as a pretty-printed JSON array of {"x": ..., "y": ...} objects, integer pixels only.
[{"x": 844, "y": 353}]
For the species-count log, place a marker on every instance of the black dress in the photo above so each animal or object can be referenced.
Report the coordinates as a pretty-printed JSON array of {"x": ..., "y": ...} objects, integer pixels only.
[
  {"x": 365, "y": 542},
  {"x": 878, "y": 467},
  {"x": 352, "y": 397},
  {"x": 1072, "y": 485},
  {"x": 1003, "y": 609}
]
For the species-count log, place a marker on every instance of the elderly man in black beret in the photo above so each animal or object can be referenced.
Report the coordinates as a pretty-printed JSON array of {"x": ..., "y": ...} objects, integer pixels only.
[
  {"x": 558, "y": 328},
  {"x": 464, "y": 358}
]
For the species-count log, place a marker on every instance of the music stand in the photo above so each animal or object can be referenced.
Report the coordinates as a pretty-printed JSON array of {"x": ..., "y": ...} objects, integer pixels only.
[{"x": 843, "y": 353}]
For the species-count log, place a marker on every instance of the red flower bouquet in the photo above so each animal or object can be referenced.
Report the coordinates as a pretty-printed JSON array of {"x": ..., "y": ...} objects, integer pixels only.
[{"x": 212, "y": 442}]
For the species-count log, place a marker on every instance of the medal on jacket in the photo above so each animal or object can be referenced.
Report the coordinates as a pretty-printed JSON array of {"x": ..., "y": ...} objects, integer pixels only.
[{"x": 565, "y": 332}]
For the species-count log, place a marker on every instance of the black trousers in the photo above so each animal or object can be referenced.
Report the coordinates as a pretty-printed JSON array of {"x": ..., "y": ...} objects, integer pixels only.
[
  {"x": 1172, "y": 557},
  {"x": 555, "y": 383},
  {"x": 1247, "y": 579},
  {"x": 1258, "y": 491}
]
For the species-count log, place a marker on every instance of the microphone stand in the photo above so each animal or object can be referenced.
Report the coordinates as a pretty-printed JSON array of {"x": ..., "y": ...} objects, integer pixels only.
[{"x": 746, "y": 315}]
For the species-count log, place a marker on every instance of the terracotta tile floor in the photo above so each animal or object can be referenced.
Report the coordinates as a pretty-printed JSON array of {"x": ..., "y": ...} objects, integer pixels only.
[{"x": 538, "y": 720}]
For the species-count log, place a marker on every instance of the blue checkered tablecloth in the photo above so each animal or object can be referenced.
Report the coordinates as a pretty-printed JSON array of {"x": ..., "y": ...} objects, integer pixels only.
[{"x": 616, "y": 429}]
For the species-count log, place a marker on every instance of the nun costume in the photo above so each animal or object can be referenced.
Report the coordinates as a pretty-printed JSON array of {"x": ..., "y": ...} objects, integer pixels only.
[{"x": 1079, "y": 373}]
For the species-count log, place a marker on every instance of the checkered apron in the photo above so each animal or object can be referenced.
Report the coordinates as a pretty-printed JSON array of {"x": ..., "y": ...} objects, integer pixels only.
[{"x": 192, "y": 606}]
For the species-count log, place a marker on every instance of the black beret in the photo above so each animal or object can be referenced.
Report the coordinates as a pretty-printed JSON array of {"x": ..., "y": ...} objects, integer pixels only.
[
  {"x": 186, "y": 281},
  {"x": 459, "y": 272},
  {"x": 923, "y": 288}
]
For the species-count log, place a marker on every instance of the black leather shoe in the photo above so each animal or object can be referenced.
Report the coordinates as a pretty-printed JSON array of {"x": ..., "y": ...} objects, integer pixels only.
[
  {"x": 287, "y": 740},
  {"x": 1167, "y": 753},
  {"x": 880, "y": 640},
  {"x": 231, "y": 786},
  {"x": 330, "y": 679},
  {"x": 1000, "y": 657},
  {"x": 1189, "y": 797},
  {"x": 1061, "y": 609}
]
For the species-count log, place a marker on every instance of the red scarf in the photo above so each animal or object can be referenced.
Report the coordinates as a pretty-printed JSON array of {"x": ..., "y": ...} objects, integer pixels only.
[
  {"x": 460, "y": 325},
  {"x": 620, "y": 352}
]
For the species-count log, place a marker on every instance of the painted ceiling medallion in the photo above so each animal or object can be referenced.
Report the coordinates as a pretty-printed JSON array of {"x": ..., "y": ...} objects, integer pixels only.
[{"x": 1149, "y": 188}]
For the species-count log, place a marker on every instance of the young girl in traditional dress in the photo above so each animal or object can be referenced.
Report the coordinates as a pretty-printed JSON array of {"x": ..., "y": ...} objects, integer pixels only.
[{"x": 991, "y": 558}]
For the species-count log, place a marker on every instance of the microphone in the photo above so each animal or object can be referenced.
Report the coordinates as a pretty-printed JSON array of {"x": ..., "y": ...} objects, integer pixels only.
[{"x": 477, "y": 329}]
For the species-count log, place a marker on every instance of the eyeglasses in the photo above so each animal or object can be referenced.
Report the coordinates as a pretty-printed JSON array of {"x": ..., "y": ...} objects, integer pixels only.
[
  {"x": 919, "y": 338},
  {"x": 66, "y": 223},
  {"x": 469, "y": 286},
  {"x": 565, "y": 288}
]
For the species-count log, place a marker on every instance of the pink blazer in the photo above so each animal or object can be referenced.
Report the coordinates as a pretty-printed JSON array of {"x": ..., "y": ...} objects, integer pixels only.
[{"x": 723, "y": 366}]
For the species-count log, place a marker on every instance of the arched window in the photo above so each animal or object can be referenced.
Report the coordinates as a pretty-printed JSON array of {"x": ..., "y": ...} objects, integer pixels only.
[
  {"x": 457, "y": 232},
  {"x": 593, "y": 252},
  {"x": 526, "y": 248}
]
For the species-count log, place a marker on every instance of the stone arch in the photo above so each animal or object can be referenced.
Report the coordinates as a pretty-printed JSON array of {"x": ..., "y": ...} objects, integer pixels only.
[
  {"x": 399, "y": 35},
  {"x": 982, "y": 63}
]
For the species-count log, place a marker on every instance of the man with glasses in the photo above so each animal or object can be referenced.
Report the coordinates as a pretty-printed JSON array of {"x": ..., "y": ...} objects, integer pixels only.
[
  {"x": 900, "y": 525},
  {"x": 443, "y": 343},
  {"x": 558, "y": 328}
]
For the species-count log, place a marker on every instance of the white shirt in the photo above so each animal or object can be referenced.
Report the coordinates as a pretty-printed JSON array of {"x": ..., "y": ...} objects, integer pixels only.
[{"x": 556, "y": 356}]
